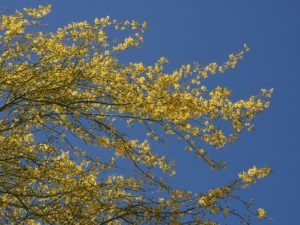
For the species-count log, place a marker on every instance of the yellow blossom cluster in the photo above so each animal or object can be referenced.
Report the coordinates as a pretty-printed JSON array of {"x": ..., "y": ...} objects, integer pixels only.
[
  {"x": 253, "y": 174},
  {"x": 209, "y": 200},
  {"x": 261, "y": 213},
  {"x": 39, "y": 12}
]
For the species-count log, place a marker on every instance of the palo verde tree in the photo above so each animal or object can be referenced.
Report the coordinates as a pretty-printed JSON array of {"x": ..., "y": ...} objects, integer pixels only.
[{"x": 63, "y": 92}]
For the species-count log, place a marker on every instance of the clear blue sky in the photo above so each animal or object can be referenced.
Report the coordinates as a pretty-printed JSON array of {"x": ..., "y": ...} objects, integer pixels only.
[{"x": 208, "y": 30}]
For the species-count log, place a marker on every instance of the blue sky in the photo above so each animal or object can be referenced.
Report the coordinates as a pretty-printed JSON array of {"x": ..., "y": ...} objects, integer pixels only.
[{"x": 208, "y": 30}]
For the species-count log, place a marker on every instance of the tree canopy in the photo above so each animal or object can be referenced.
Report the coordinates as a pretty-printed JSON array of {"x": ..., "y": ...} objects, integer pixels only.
[{"x": 65, "y": 91}]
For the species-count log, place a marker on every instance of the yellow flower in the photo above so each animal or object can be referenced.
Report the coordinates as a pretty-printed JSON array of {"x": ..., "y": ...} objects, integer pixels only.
[
  {"x": 261, "y": 213},
  {"x": 226, "y": 211},
  {"x": 161, "y": 200}
]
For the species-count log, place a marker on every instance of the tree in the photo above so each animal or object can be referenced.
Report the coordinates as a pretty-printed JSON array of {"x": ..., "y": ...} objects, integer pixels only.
[{"x": 63, "y": 92}]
